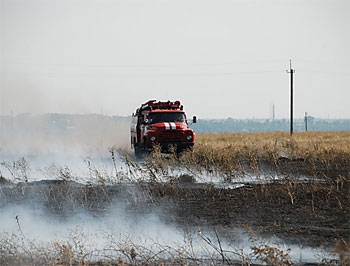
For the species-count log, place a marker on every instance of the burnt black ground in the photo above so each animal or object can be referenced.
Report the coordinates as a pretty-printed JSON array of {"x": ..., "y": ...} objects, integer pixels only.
[
  {"x": 307, "y": 214},
  {"x": 316, "y": 217}
]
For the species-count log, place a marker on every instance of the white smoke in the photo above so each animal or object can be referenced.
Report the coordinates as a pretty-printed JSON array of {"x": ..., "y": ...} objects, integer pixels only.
[
  {"x": 66, "y": 141},
  {"x": 45, "y": 147}
]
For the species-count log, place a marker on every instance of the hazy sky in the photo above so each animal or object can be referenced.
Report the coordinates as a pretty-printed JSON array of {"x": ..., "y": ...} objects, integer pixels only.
[{"x": 219, "y": 58}]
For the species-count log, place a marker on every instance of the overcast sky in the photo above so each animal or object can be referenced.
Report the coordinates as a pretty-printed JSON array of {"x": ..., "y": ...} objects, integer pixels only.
[{"x": 219, "y": 58}]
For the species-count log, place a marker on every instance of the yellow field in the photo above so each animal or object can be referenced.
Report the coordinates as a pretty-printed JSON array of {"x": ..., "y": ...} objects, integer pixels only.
[
  {"x": 301, "y": 144},
  {"x": 226, "y": 152}
]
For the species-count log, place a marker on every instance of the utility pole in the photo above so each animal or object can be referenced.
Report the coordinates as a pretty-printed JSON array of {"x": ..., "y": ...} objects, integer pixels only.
[
  {"x": 291, "y": 72},
  {"x": 305, "y": 121}
]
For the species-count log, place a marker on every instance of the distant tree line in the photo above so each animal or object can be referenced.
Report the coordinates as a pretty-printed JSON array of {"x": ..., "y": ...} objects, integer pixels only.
[
  {"x": 267, "y": 125},
  {"x": 98, "y": 124}
]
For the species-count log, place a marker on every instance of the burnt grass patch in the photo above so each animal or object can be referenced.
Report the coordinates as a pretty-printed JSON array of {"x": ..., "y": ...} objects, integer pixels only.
[{"x": 303, "y": 213}]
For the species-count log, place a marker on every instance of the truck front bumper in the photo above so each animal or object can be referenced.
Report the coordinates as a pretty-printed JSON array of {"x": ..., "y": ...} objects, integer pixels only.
[{"x": 169, "y": 147}]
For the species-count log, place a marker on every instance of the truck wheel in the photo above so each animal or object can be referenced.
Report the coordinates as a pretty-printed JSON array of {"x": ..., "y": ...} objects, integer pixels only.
[{"x": 138, "y": 153}]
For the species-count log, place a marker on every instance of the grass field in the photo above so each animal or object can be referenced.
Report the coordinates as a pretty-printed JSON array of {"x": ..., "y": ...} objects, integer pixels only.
[
  {"x": 300, "y": 194},
  {"x": 318, "y": 154}
]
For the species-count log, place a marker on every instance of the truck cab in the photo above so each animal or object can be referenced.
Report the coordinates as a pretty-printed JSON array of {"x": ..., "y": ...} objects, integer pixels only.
[{"x": 163, "y": 124}]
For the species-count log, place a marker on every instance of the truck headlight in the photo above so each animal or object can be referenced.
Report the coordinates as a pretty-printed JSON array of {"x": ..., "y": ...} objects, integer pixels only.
[
  {"x": 189, "y": 137},
  {"x": 153, "y": 138}
]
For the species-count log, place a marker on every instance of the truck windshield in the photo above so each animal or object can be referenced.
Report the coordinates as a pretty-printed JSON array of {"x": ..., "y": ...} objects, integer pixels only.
[{"x": 165, "y": 117}]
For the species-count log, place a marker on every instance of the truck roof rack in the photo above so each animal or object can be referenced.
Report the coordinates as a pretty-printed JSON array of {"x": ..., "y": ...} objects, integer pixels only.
[{"x": 154, "y": 105}]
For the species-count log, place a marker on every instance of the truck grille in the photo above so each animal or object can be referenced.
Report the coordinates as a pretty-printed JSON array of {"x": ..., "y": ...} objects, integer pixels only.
[{"x": 171, "y": 135}]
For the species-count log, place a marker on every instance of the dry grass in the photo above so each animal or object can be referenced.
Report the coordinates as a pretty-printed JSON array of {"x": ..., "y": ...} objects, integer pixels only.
[
  {"x": 321, "y": 154},
  {"x": 310, "y": 146}
]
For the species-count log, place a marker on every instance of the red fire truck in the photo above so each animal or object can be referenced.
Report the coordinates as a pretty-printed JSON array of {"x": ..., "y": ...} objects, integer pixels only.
[{"x": 161, "y": 123}]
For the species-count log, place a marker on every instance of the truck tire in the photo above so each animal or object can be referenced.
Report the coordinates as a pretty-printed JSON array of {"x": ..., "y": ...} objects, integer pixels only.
[{"x": 138, "y": 152}]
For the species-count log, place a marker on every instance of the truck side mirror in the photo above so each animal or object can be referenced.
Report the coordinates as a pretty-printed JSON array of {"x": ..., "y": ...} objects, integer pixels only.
[{"x": 194, "y": 119}]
